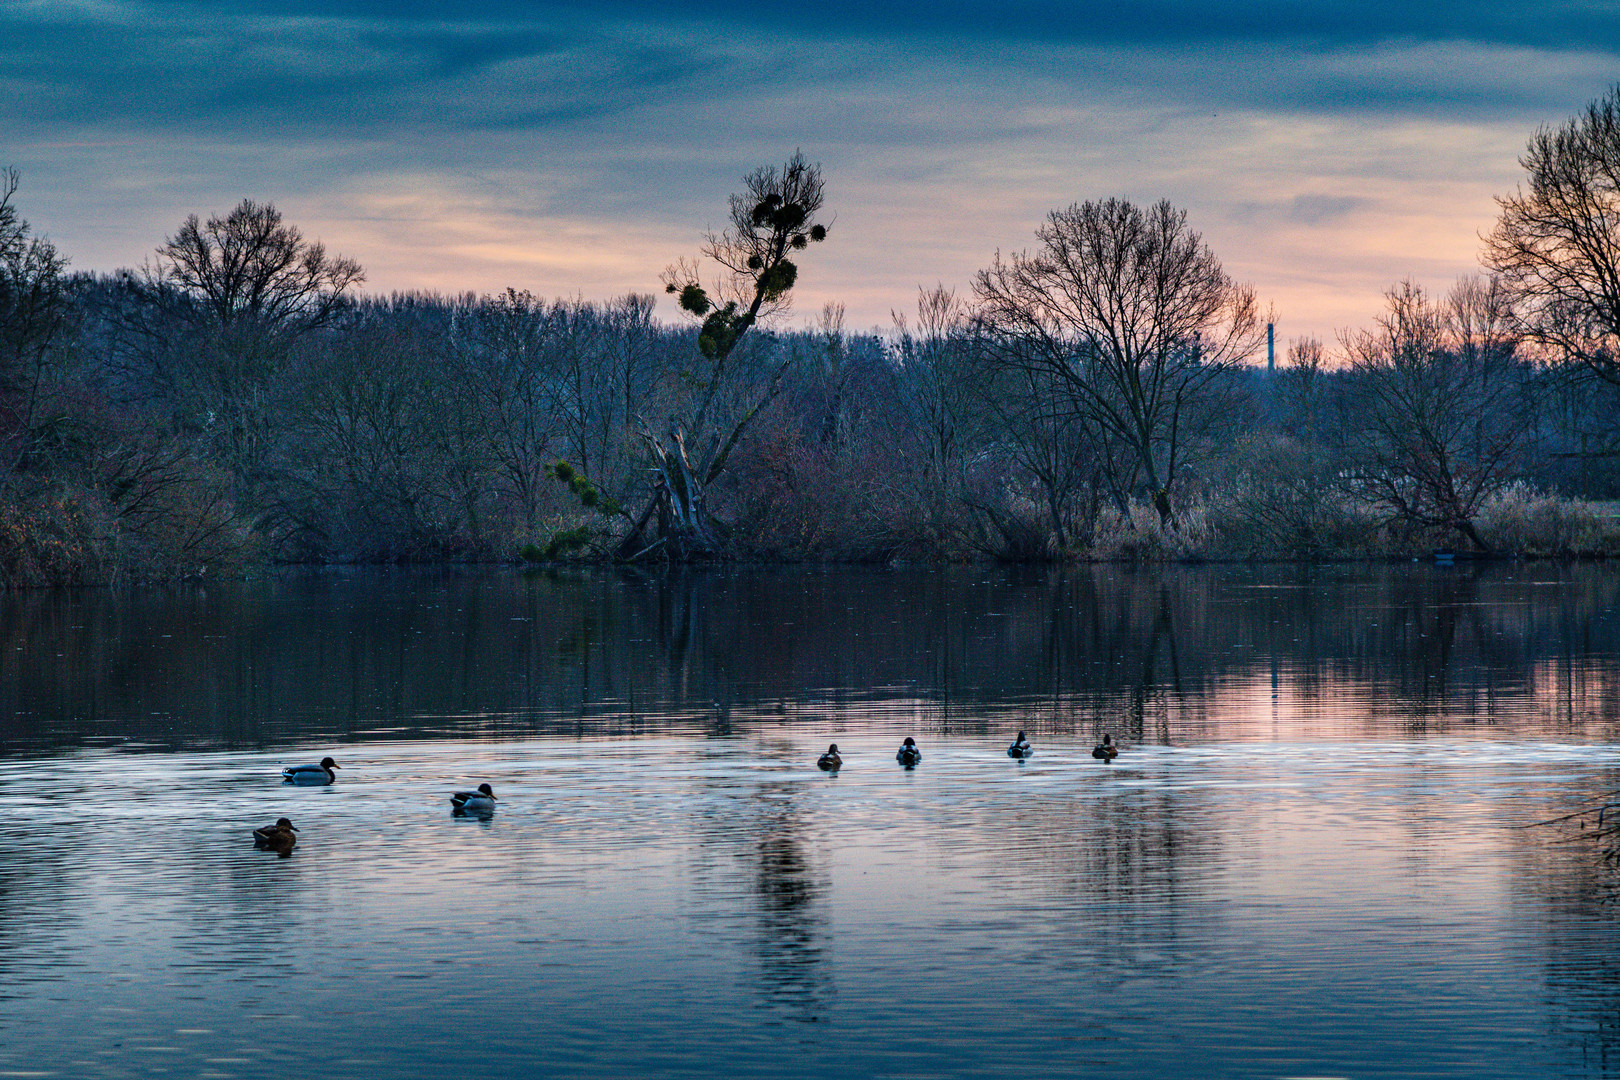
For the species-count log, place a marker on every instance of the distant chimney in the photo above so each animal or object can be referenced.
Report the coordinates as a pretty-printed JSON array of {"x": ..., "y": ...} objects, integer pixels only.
[{"x": 1271, "y": 348}]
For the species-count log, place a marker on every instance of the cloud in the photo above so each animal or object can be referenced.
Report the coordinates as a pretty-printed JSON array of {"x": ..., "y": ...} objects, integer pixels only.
[
  {"x": 348, "y": 70},
  {"x": 1324, "y": 149},
  {"x": 1314, "y": 23},
  {"x": 1316, "y": 209}
]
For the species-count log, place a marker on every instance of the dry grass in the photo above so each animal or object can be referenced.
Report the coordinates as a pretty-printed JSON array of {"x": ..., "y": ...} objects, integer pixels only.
[
  {"x": 1252, "y": 519},
  {"x": 1528, "y": 522}
]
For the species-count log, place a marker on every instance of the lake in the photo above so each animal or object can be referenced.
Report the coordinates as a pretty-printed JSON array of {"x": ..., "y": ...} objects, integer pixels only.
[{"x": 1310, "y": 859}]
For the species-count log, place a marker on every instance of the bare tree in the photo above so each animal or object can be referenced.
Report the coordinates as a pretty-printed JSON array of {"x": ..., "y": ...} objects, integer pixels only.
[
  {"x": 1286, "y": 478},
  {"x": 1037, "y": 458},
  {"x": 386, "y": 456},
  {"x": 214, "y": 320},
  {"x": 165, "y": 495},
  {"x": 500, "y": 351},
  {"x": 1437, "y": 407},
  {"x": 251, "y": 267},
  {"x": 1130, "y": 314},
  {"x": 34, "y": 316},
  {"x": 558, "y": 381},
  {"x": 1299, "y": 388},
  {"x": 936, "y": 374},
  {"x": 772, "y": 218},
  {"x": 1557, "y": 244},
  {"x": 628, "y": 368},
  {"x": 1480, "y": 316},
  {"x": 834, "y": 372}
]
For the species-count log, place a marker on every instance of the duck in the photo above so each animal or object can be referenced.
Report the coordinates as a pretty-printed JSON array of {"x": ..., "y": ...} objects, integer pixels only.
[
  {"x": 1105, "y": 751},
  {"x": 830, "y": 760},
  {"x": 1020, "y": 747},
  {"x": 278, "y": 837},
  {"x": 908, "y": 754},
  {"x": 310, "y": 774},
  {"x": 481, "y": 801}
]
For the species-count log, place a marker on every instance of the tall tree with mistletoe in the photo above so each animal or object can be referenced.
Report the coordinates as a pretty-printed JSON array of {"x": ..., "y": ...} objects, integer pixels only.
[{"x": 773, "y": 218}]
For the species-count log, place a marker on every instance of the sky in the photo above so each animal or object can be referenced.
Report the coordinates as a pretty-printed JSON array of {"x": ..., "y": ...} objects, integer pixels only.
[{"x": 1325, "y": 150}]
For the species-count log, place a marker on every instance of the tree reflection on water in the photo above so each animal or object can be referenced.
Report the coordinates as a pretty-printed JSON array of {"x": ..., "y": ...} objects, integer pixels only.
[
  {"x": 1571, "y": 890},
  {"x": 792, "y": 930},
  {"x": 1148, "y": 653}
]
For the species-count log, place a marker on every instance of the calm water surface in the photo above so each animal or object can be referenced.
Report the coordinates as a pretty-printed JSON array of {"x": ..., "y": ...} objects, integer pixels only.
[{"x": 1305, "y": 864}]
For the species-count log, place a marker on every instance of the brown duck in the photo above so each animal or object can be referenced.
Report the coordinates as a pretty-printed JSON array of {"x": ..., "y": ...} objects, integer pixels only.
[{"x": 278, "y": 837}]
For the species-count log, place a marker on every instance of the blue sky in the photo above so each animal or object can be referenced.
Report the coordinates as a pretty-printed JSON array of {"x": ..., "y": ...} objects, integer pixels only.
[{"x": 1325, "y": 150}]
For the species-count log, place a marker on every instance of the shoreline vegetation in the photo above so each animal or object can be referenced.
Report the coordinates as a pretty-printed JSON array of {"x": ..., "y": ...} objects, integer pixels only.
[{"x": 1109, "y": 394}]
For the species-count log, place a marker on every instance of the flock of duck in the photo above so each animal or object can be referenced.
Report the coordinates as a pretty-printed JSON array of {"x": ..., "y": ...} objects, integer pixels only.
[
  {"x": 909, "y": 755},
  {"x": 281, "y": 836}
]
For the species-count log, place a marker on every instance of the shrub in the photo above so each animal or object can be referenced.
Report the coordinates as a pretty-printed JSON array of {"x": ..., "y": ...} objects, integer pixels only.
[
  {"x": 1523, "y": 520},
  {"x": 56, "y": 536},
  {"x": 1284, "y": 500}
]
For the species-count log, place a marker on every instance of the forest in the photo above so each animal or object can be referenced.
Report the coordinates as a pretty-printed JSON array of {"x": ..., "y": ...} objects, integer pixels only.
[{"x": 1105, "y": 394}]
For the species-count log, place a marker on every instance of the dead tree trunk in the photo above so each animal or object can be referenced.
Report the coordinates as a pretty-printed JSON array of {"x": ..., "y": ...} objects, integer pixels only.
[{"x": 686, "y": 528}]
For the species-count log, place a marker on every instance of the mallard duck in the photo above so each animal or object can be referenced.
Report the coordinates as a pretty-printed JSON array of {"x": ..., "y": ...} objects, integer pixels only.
[
  {"x": 908, "y": 754},
  {"x": 278, "y": 837},
  {"x": 830, "y": 760},
  {"x": 1105, "y": 751},
  {"x": 1020, "y": 747},
  {"x": 481, "y": 801},
  {"x": 310, "y": 774}
]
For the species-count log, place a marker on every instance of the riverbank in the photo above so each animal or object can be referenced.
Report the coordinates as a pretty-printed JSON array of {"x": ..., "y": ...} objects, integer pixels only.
[{"x": 68, "y": 538}]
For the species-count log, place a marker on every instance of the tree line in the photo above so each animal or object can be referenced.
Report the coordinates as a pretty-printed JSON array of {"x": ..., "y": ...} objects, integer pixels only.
[{"x": 239, "y": 399}]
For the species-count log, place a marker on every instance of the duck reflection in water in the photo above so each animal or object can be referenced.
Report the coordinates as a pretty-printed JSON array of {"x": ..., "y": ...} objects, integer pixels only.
[{"x": 279, "y": 837}]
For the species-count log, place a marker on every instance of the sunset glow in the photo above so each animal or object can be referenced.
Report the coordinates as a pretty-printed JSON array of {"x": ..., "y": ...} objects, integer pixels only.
[{"x": 1325, "y": 152}]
